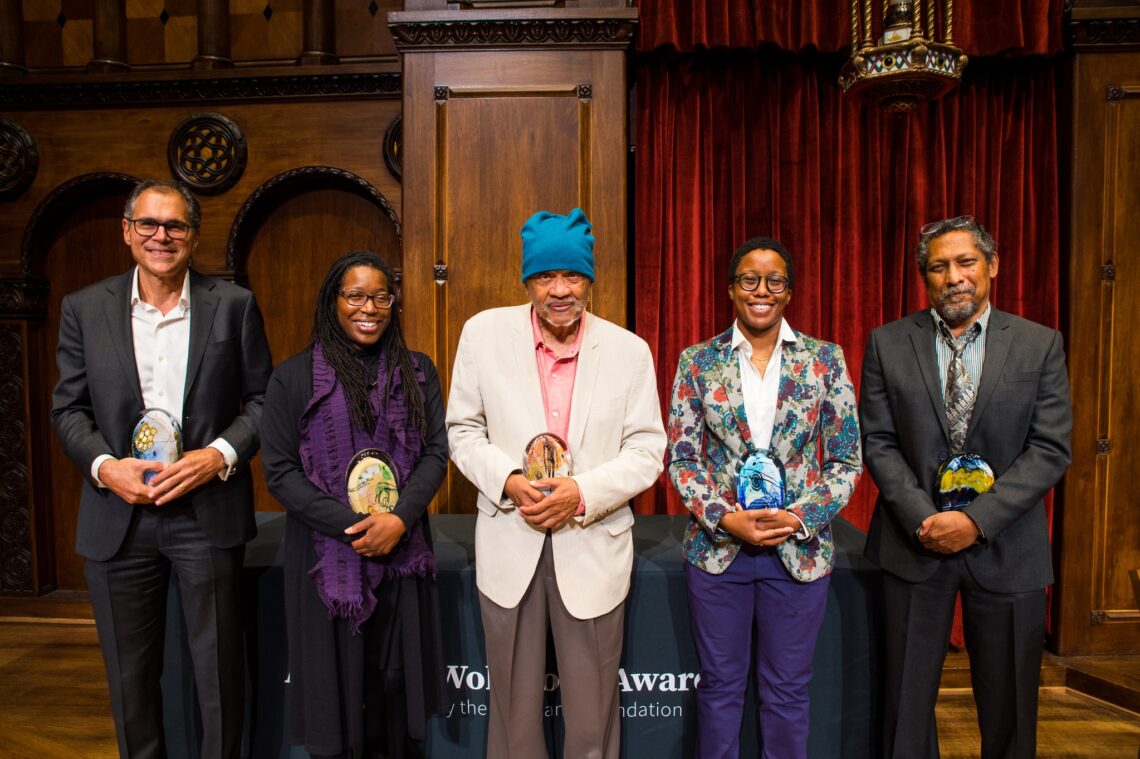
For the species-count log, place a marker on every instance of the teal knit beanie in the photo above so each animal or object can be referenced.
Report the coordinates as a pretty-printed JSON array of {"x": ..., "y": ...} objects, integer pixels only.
[{"x": 553, "y": 242}]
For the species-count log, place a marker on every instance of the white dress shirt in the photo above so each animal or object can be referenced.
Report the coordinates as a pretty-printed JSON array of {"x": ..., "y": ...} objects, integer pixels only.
[
  {"x": 762, "y": 392},
  {"x": 162, "y": 347}
]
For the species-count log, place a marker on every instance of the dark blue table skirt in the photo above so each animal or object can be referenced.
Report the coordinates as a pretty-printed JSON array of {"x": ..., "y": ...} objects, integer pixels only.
[{"x": 658, "y": 664}]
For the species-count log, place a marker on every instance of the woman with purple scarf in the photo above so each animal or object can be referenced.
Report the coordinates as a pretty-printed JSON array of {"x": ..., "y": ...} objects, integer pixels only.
[{"x": 365, "y": 669}]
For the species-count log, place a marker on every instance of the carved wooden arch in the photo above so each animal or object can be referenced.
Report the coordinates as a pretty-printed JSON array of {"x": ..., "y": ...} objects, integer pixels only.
[
  {"x": 77, "y": 187},
  {"x": 266, "y": 197}
]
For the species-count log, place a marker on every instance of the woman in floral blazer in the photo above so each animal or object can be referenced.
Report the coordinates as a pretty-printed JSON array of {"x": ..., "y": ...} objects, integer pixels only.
[{"x": 760, "y": 386}]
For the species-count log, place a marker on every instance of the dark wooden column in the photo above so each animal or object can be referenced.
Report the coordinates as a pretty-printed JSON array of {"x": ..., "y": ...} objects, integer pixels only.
[
  {"x": 110, "y": 37},
  {"x": 213, "y": 35},
  {"x": 319, "y": 33},
  {"x": 12, "y": 36},
  {"x": 23, "y": 569},
  {"x": 506, "y": 112}
]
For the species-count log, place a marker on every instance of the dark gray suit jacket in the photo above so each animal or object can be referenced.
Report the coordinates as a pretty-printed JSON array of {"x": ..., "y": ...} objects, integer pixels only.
[
  {"x": 98, "y": 400},
  {"x": 1021, "y": 423}
]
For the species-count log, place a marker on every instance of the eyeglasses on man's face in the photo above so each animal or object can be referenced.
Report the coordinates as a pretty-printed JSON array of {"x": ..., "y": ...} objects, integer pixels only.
[
  {"x": 946, "y": 225},
  {"x": 175, "y": 230},
  {"x": 356, "y": 299},
  {"x": 749, "y": 282}
]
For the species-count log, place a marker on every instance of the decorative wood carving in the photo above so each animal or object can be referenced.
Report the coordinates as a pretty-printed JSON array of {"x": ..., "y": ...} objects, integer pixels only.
[
  {"x": 207, "y": 151},
  {"x": 424, "y": 32},
  {"x": 160, "y": 92},
  {"x": 1098, "y": 33},
  {"x": 273, "y": 188},
  {"x": 394, "y": 147},
  {"x": 15, "y": 517},
  {"x": 23, "y": 298},
  {"x": 19, "y": 159}
]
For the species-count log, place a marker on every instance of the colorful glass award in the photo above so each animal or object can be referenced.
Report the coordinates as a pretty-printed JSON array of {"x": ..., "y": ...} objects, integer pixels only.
[
  {"x": 372, "y": 481},
  {"x": 760, "y": 481},
  {"x": 157, "y": 436},
  {"x": 961, "y": 479},
  {"x": 548, "y": 455}
]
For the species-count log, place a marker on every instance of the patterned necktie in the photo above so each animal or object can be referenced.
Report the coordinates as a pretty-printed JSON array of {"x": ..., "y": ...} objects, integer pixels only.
[{"x": 960, "y": 391}]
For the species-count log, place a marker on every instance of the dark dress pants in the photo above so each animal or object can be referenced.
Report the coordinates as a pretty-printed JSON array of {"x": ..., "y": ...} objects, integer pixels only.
[
  {"x": 1005, "y": 638},
  {"x": 754, "y": 611},
  {"x": 128, "y": 596}
]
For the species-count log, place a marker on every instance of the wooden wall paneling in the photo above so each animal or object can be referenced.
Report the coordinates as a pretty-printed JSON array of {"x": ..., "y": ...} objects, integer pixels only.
[
  {"x": 76, "y": 240},
  {"x": 1100, "y": 525},
  {"x": 294, "y": 235},
  {"x": 494, "y": 131}
]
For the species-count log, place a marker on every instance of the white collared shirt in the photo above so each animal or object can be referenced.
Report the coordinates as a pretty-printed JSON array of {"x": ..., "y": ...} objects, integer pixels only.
[
  {"x": 762, "y": 393},
  {"x": 162, "y": 348}
]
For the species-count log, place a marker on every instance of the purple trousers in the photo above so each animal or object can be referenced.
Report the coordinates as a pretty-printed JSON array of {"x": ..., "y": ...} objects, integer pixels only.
[{"x": 754, "y": 613}]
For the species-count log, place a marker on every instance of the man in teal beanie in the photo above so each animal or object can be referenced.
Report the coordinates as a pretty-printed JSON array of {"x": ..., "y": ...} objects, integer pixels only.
[{"x": 554, "y": 552}]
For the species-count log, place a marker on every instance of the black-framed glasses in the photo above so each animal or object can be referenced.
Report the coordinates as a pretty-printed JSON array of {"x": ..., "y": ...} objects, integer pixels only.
[
  {"x": 749, "y": 282},
  {"x": 175, "y": 230},
  {"x": 946, "y": 225},
  {"x": 356, "y": 299}
]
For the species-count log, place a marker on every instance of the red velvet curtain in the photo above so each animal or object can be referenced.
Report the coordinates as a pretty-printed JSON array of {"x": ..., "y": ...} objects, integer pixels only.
[
  {"x": 981, "y": 27},
  {"x": 743, "y": 143}
]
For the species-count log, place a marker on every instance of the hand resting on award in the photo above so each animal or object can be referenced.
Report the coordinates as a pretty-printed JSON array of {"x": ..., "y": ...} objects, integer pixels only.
[
  {"x": 124, "y": 477},
  {"x": 948, "y": 532},
  {"x": 545, "y": 507},
  {"x": 760, "y": 527},
  {"x": 382, "y": 532}
]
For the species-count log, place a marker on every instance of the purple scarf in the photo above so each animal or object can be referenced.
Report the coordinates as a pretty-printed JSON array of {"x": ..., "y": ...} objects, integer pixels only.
[{"x": 329, "y": 440}]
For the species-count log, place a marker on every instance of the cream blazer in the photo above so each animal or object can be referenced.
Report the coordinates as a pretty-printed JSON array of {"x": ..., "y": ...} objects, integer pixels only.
[{"x": 615, "y": 435}]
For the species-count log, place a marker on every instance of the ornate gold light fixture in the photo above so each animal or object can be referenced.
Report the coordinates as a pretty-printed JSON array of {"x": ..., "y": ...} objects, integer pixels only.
[{"x": 908, "y": 63}]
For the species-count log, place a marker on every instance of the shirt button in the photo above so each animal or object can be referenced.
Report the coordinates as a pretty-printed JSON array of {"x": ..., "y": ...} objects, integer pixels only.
[{"x": 554, "y": 414}]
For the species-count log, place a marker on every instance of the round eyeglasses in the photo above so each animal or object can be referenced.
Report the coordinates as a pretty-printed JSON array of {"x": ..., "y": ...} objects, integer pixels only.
[
  {"x": 749, "y": 282},
  {"x": 356, "y": 299},
  {"x": 175, "y": 230}
]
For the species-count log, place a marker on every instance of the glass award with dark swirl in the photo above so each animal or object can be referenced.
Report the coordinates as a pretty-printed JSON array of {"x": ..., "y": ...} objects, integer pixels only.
[
  {"x": 760, "y": 481},
  {"x": 547, "y": 455},
  {"x": 157, "y": 436},
  {"x": 961, "y": 479},
  {"x": 372, "y": 481}
]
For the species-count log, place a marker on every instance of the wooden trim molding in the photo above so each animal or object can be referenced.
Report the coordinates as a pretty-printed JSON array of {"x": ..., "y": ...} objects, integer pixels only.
[
  {"x": 16, "y": 574},
  {"x": 133, "y": 92},
  {"x": 75, "y": 187},
  {"x": 586, "y": 28},
  {"x": 23, "y": 298},
  {"x": 304, "y": 177},
  {"x": 1100, "y": 33}
]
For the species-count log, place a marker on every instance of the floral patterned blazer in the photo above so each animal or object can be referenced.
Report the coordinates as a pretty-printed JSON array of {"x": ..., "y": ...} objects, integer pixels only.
[{"x": 709, "y": 436}]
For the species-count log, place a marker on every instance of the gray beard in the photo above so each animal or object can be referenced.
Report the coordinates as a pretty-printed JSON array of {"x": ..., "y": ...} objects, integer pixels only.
[{"x": 956, "y": 314}]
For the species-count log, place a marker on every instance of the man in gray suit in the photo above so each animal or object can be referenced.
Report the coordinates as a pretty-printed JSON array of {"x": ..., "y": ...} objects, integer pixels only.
[
  {"x": 963, "y": 377},
  {"x": 164, "y": 336}
]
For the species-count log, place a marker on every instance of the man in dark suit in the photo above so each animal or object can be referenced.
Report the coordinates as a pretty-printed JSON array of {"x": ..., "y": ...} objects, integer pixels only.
[
  {"x": 164, "y": 336},
  {"x": 963, "y": 377}
]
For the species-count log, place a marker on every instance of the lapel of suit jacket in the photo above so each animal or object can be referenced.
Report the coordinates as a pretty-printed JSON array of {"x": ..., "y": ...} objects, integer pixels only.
[
  {"x": 117, "y": 308},
  {"x": 526, "y": 367},
  {"x": 790, "y": 354},
  {"x": 203, "y": 306},
  {"x": 585, "y": 375},
  {"x": 729, "y": 371},
  {"x": 922, "y": 341},
  {"x": 997, "y": 349}
]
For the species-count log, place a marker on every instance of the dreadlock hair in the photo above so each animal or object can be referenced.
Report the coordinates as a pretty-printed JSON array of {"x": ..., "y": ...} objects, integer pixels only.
[{"x": 343, "y": 355}]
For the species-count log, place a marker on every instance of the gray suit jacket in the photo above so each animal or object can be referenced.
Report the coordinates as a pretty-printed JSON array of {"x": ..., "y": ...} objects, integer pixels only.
[
  {"x": 98, "y": 399},
  {"x": 1021, "y": 423}
]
